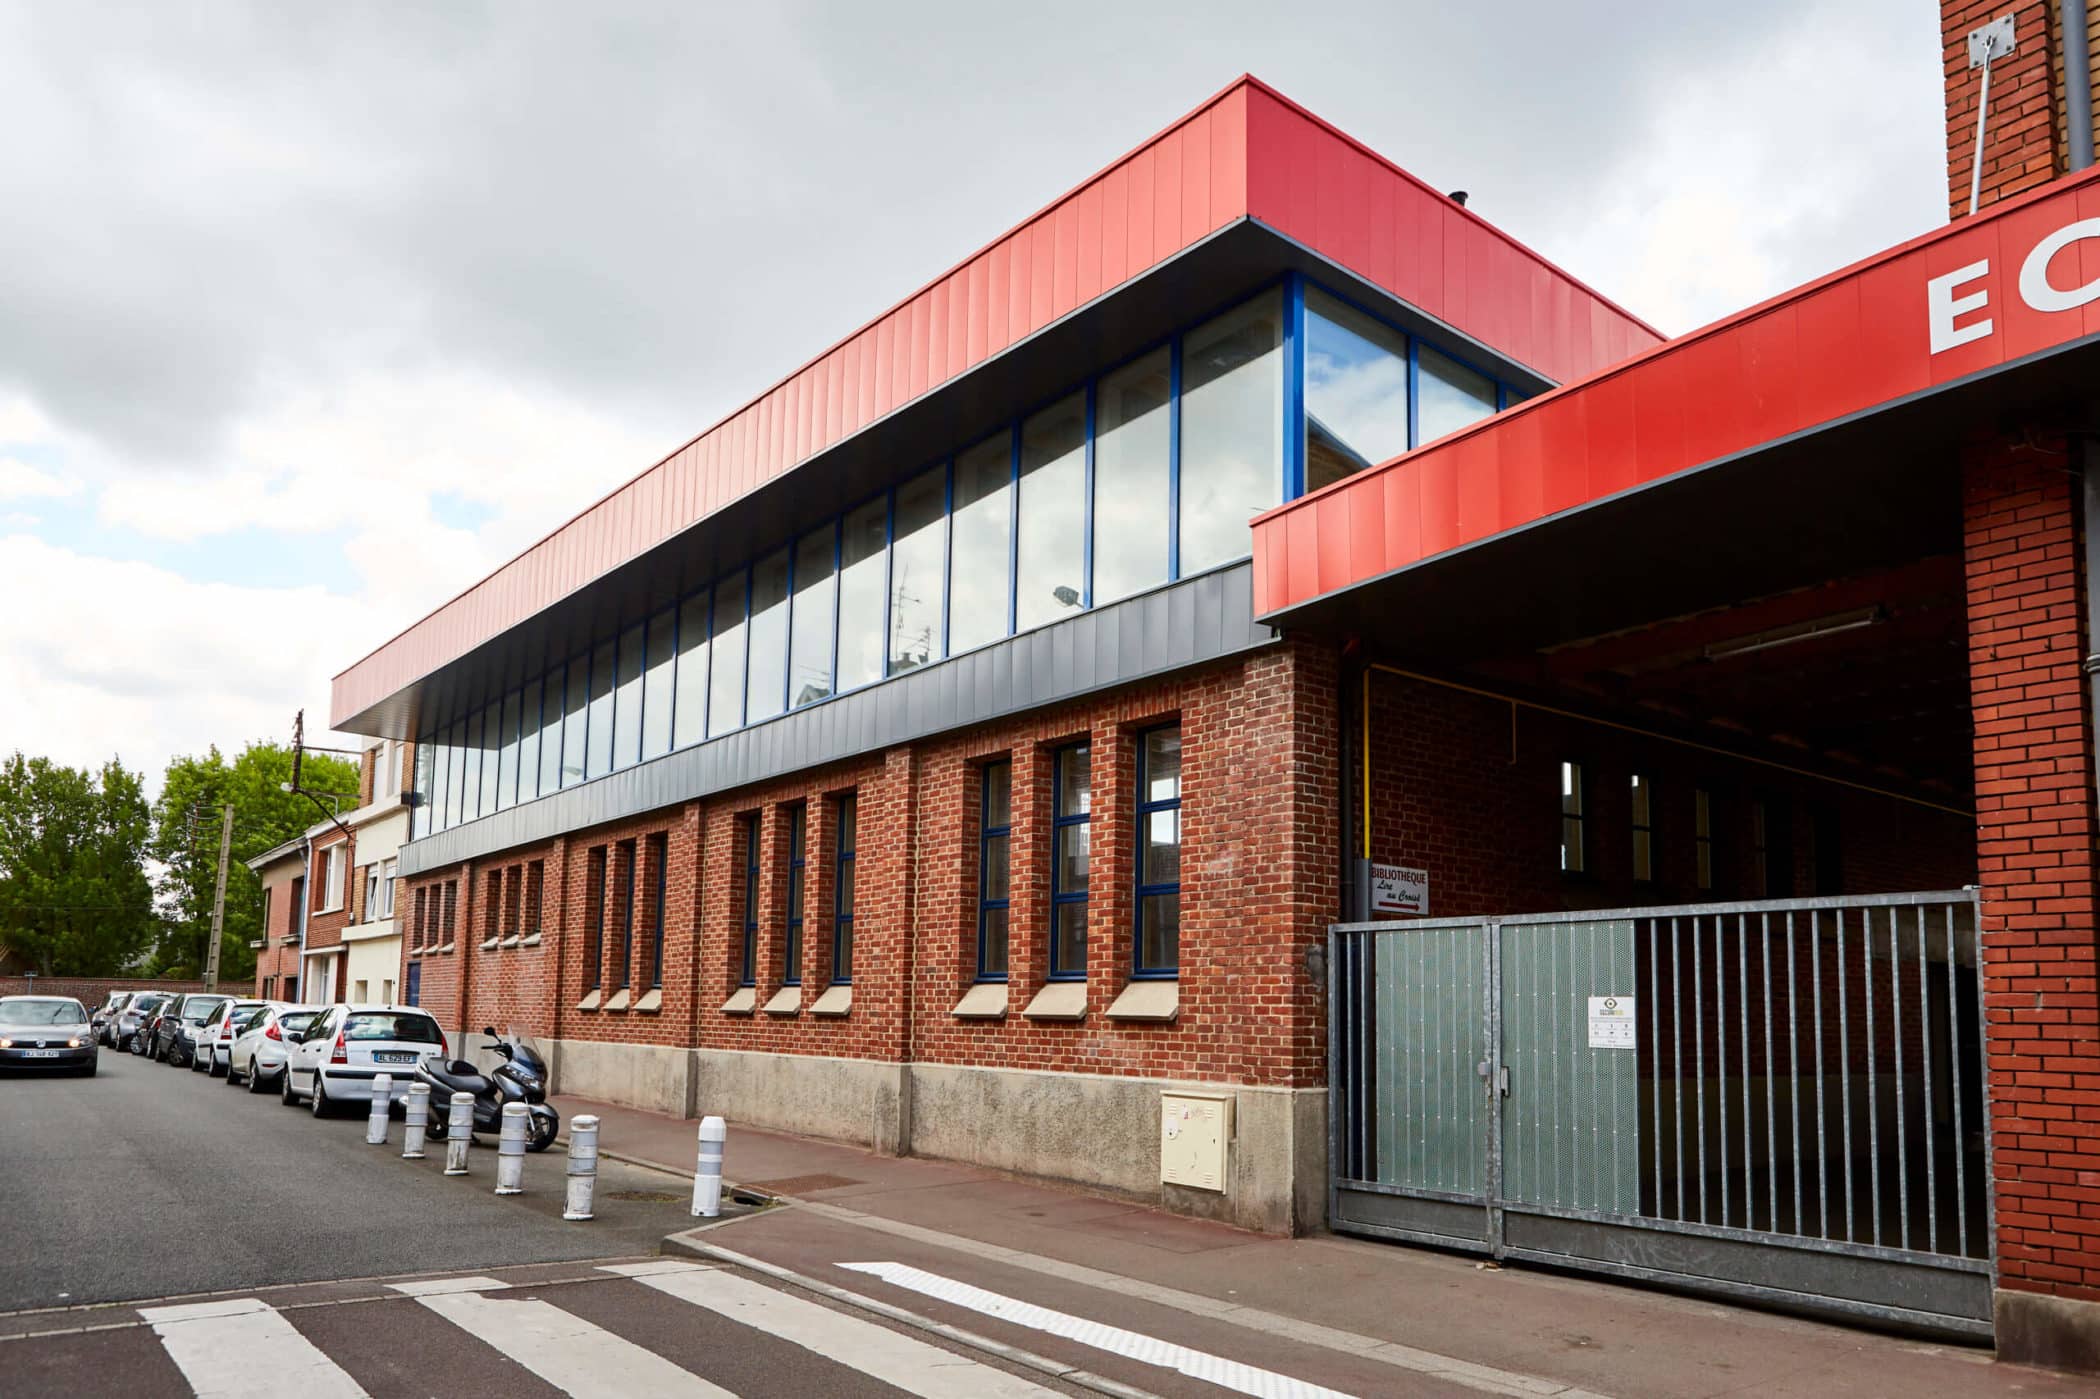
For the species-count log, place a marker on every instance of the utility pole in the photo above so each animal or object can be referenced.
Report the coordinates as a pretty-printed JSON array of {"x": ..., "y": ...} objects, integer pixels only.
[{"x": 218, "y": 903}]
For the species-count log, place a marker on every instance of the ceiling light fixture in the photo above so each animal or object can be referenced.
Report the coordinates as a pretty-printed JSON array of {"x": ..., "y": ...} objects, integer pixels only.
[{"x": 1798, "y": 631}]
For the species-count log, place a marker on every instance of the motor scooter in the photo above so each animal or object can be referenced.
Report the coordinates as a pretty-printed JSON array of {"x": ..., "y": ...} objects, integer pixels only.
[{"x": 520, "y": 1078}]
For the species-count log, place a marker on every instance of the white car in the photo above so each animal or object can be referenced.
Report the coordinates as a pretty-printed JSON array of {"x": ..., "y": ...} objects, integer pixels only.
[
  {"x": 336, "y": 1057},
  {"x": 262, "y": 1043},
  {"x": 215, "y": 1039}
]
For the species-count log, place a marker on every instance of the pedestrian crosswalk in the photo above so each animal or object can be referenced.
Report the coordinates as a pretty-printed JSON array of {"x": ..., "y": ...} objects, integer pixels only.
[{"x": 770, "y": 1342}]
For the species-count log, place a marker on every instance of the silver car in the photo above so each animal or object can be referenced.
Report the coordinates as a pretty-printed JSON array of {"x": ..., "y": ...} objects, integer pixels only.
[
  {"x": 260, "y": 1042},
  {"x": 46, "y": 1032}
]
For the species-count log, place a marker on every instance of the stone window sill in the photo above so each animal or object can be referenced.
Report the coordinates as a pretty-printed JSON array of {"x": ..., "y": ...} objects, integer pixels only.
[
  {"x": 445, "y": 948},
  {"x": 488, "y": 945},
  {"x": 651, "y": 1002},
  {"x": 984, "y": 1001},
  {"x": 619, "y": 1000},
  {"x": 742, "y": 1003},
  {"x": 511, "y": 941},
  {"x": 836, "y": 1000},
  {"x": 786, "y": 1001},
  {"x": 1151, "y": 1002},
  {"x": 1058, "y": 1000},
  {"x": 532, "y": 941},
  {"x": 589, "y": 1002}
]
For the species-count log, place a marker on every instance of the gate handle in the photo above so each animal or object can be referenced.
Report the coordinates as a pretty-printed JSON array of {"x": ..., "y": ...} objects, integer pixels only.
[{"x": 1501, "y": 1076}]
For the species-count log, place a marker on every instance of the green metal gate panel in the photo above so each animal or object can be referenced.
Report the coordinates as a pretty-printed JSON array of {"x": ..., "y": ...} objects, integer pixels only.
[
  {"x": 1571, "y": 1120},
  {"x": 1429, "y": 1000}
]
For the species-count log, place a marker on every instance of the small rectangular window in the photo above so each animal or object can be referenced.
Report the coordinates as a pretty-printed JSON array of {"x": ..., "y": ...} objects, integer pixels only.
[
  {"x": 535, "y": 896},
  {"x": 492, "y": 907},
  {"x": 725, "y": 684},
  {"x": 624, "y": 886},
  {"x": 748, "y": 975},
  {"x": 1158, "y": 942},
  {"x": 1574, "y": 853},
  {"x": 1643, "y": 807},
  {"x": 994, "y": 868},
  {"x": 598, "y": 726},
  {"x": 388, "y": 875},
  {"x": 660, "y": 865},
  {"x": 594, "y": 919},
  {"x": 660, "y": 656},
  {"x": 812, "y": 627},
  {"x": 1070, "y": 840},
  {"x": 371, "y": 908},
  {"x": 798, "y": 833},
  {"x": 842, "y": 918},
  {"x": 1703, "y": 835}
]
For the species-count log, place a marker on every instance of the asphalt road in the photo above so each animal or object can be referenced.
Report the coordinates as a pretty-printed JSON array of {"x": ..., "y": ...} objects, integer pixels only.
[{"x": 147, "y": 1181}]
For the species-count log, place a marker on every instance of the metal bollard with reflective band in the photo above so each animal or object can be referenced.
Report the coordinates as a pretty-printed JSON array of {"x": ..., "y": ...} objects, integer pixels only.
[
  {"x": 382, "y": 1099},
  {"x": 510, "y": 1150},
  {"x": 583, "y": 1167},
  {"x": 459, "y": 1133},
  {"x": 416, "y": 1114},
  {"x": 707, "y": 1181}
]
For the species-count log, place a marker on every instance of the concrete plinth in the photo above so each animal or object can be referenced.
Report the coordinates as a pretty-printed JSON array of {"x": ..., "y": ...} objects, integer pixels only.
[{"x": 2056, "y": 1333}]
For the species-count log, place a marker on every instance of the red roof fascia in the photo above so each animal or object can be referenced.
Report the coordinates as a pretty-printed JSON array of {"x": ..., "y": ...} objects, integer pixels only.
[{"x": 1843, "y": 344}]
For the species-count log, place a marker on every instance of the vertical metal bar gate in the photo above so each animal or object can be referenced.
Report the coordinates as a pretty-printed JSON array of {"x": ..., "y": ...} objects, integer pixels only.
[{"x": 1780, "y": 1100}]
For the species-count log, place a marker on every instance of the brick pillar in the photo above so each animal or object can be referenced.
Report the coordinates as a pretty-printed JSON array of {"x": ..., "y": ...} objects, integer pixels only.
[{"x": 2036, "y": 862}]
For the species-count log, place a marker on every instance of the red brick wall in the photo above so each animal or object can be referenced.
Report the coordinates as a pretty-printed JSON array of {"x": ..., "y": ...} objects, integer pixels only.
[
  {"x": 2034, "y": 778},
  {"x": 1469, "y": 788},
  {"x": 2023, "y": 144},
  {"x": 1259, "y": 886},
  {"x": 92, "y": 991},
  {"x": 324, "y": 927},
  {"x": 276, "y": 960}
]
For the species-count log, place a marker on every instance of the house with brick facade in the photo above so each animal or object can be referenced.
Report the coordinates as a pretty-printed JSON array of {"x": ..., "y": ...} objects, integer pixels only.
[
  {"x": 1257, "y": 693},
  {"x": 281, "y": 870}
]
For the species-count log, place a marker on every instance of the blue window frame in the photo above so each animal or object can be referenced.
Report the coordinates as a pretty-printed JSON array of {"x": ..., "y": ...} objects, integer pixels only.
[
  {"x": 1158, "y": 942},
  {"x": 412, "y": 995},
  {"x": 659, "y": 860},
  {"x": 798, "y": 835},
  {"x": 594, "y": 915},
  {"x": 842, "y": 891},
  {"x": 622, "y": 970},
  {"x": 1136, "y": 476},
  {"x": 749, "y": 976},
  {"x": 1071, "y": 829},
  {"x": 994, "y": 868}
]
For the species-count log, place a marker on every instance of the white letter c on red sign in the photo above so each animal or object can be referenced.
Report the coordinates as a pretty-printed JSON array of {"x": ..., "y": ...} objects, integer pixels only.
[{"x": 2036, "y": 289}]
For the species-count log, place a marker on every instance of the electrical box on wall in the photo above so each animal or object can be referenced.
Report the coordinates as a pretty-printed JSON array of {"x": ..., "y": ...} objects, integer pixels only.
[{"x": 1195, "y": 1136}]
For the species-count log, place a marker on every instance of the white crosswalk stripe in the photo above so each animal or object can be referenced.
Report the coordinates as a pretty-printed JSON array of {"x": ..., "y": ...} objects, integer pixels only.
[
  {"x": 578, "y": 1357},
  {"x": 243, "y": 1349},
  {"x": 910, "y": 1365},
  {"x": 1196, "y": 1364}
]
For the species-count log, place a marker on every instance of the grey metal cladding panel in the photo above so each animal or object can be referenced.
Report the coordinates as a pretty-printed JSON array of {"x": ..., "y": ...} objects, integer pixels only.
[{"x": 1167, "y": 629}]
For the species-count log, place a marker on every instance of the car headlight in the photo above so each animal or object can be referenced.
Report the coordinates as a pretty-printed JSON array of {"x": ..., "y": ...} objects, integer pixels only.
[
  {"x": 7, "y": 1044},
  {"x": 73, "y": 1044}
]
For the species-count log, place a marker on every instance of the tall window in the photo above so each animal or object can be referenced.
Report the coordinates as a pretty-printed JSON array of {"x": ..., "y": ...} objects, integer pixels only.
[
  {"x": 983, "y": 530},
  {"x": 575, "y": 696},
  {"x": 1703, "y": 835},
  {"x": 863, "y": 558},
  {"x": 332, "y": 889},
  {"x": 507, "y": 759},
  {"x": 842, "y": 894},
  {"x": 1573, "y": 846},
  {"x": 594, "y": 918},
  {"x": 1355, "y": 390},
  {"x": 387, "y": 875},
  {"x": 1453, "y": 396},
  {"x": 659, "y": 861},
  {"x": 529, "y": 743},
  {"x": 798, "y": 834},
  {"x": 689, "y": 724},
  {"x": 624, "y": 949},
  {"x": 812, "y": 626},
  {"x": 1133, "y": 452},
  {"x": 725, "y": 684},
  {"x": 371, "y": 909},
  {"x": 657, "y": 683},
  {"x": 598, "y": 733},
  {"x": 1071, "y": 829},
  {"x": 1050, "y": 567},
  {"x": 627, "y": 698},
  {"x": 765, "y": 688},
  {"x": 1159, "y": 852},
  {"x": 994, "y": 867},
  {"x": 1231, "y": 430},
  {"x": 749, "y": 974},
  {"x": 1643, "y": 808},
  {"x": 918, "y": 569}
]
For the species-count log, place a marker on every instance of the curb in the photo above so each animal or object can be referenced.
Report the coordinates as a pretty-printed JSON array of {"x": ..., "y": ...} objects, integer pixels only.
[{"x": 1012, "y": 1355}]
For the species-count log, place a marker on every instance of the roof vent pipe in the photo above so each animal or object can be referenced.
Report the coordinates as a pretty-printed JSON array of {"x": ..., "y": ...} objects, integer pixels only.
[
  {"x": 1458, "y": 196},
  {"x": 2078, "y": 82}
]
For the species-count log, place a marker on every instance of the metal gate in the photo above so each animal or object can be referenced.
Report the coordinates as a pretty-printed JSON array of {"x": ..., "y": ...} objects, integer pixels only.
[{"x": 1781, "y": 1100}]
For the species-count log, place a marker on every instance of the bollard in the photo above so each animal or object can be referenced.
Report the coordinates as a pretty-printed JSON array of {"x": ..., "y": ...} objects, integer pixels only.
[
  {"x": 707, "y": 1181},
  {"x": 510, "y": 1150},
  {"x": 459, "y": 1133},
  {"x": 583, "y": 1167},
  {"x": 416, "y": 1115},
  {"x": 382, "y": 1099}
]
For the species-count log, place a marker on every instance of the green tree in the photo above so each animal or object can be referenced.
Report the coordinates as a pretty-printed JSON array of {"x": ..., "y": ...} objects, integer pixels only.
[
  {"x": 74, "y": 896},
  {"x": 186, "y": 823}
]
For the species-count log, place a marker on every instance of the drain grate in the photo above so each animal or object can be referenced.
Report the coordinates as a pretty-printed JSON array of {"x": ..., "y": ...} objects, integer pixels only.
[{"x": 646, "y": 1197}]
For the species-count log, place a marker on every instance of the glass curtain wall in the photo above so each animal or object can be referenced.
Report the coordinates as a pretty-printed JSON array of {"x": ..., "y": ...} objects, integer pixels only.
[{"x": 1149, "y": 473}]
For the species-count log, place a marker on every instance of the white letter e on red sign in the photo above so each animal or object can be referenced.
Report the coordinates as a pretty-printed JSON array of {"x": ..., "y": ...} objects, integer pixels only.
[{"x": 1942, "y": 306}]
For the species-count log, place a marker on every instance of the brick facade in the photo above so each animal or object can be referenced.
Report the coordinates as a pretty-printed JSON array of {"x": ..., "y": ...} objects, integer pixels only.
[
  {"x": 1259, "y": 884},
  {"x": 2035, "y": 840}
]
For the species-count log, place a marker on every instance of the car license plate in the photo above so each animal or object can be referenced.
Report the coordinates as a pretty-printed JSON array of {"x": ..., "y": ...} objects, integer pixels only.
[
  {"x": 41, "y": 1053},
  {"x": 390, "y": 1057}
]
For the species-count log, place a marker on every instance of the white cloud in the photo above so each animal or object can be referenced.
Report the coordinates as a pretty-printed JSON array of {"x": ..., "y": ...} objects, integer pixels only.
[{"x": 21, "y": 481}]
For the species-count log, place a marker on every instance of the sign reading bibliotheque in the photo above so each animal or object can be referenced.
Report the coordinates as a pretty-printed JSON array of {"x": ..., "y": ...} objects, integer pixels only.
[{"x": 1398, "y": 889}]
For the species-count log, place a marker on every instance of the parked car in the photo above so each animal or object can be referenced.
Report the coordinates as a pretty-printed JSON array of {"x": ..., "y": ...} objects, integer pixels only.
[
  {"x": 262, "y": 1044},
  {"x": 336, "y": 1057},
  {"x": 215, "y": 1038},
  {"x": 47, "y": 1032},
  {"x": 175, "y": 1033},
  {"x": 105, "y": 1013},
  {"x": 135, "y": 1022}
]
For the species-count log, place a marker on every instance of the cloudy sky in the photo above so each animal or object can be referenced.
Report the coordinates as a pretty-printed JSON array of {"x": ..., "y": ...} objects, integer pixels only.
[{"x": 311, "y": 315}]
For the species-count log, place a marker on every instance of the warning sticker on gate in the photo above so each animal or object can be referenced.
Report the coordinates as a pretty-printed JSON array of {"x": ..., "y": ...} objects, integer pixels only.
[{"x": 1612, "y": 1023}]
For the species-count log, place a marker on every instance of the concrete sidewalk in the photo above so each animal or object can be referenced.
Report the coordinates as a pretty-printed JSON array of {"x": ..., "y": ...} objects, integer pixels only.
[{"x": 1549, "y": 1331}]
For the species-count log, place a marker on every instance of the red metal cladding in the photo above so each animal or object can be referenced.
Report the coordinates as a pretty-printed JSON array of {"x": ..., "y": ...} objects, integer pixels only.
[
  {"x": 1246, "y": 152},
  {"x": 2022, "y": 277}
]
